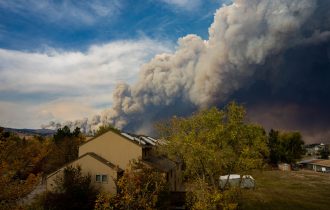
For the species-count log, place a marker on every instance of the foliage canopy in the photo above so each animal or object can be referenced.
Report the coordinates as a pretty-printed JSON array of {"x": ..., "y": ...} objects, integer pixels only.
[
  {"x": 20, "y": 167},
  {"x": 285, "y": 147},
  {"x": 140, "y": 187},
  {"x": 211, "y": 143},
  {"x": 63, "y": 148}
]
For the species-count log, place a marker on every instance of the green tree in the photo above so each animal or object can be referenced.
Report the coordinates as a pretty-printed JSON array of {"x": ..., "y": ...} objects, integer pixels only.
[
  {"x": 325, "y": 152},
  {"x": 211, "y": 143},
  {"x": 105, "y": 128},
  {"x": 63, "y": 149},
  {"x": 65, "y": 132},
  {"x": 273, "y": 144},
  {"x": 291, "y": 147},
  {"x": 285, "y": 147}
]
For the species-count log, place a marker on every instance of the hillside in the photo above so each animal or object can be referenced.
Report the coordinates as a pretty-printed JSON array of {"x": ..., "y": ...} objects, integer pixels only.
[{"x": 30, "y": 132}]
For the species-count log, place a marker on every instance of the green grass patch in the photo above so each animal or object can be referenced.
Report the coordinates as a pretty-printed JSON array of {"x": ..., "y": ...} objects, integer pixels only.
[{"x": 281, "y": 190}]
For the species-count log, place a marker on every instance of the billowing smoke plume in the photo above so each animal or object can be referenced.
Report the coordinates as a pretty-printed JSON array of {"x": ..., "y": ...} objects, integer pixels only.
[
  {"x": 86, "y": 125},
  {"x": 247, "y": 41}
]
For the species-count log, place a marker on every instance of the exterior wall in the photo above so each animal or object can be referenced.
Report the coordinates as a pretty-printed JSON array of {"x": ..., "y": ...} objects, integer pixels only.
[
  {"x": 318, "y": 168},
  {"x": 325, "y": 169},
  {"x": 89, "y": 165},
  {"x": 284, "y": 167},
  {"x": 113, "y": 147},
  {"x": 309, "y": 166}
]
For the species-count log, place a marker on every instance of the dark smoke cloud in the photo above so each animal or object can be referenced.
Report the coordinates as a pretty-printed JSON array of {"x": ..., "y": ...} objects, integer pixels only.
[
  {"x": 271, "y": 55},
  {"x": 295, "y": 94}
]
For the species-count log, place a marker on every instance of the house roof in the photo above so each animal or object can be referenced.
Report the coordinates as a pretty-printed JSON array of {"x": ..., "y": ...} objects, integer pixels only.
[
  {"x": 325, "y": 163},
  {"x": 93, "y": 155},
  {"x": 104, "y": 161},
  {"x": 160, "y": 163},
  {"x": 141, "y": 140},
  {"x": 308, "y": 161}
]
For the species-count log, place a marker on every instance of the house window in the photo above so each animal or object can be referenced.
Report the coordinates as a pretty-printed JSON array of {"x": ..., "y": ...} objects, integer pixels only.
[
  {"x": 102, "y": 178},
  {"x": 98, "y": 178}
]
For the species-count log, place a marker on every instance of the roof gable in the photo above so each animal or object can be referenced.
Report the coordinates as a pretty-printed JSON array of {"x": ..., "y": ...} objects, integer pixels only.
[
  {"x": 93, "y": 155},
  {"x": 325, "y": 163},
  {"x": 142, "y": 141}
]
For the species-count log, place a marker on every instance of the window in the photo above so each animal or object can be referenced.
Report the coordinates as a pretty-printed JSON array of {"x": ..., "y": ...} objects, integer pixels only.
[
  {"x": 98, "y": 178},
  {"x": 103, "y": 178}
]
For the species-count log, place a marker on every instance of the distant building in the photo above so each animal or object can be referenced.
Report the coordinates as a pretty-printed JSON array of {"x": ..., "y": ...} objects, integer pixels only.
[
  {"x": 314, "y": 149},
  {"x": 319, "y": 165},
  {"x": 284, "y": 166},
  {"x": 106, "y": 157}
]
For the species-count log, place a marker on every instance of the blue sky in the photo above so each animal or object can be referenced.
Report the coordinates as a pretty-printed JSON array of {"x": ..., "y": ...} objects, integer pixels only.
[
  {"x": 32, "y": 25},
  {"x": 60, "y": 60}
]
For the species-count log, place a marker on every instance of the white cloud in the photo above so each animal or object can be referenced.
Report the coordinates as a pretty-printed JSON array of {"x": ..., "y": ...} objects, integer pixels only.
[
  {"x": 81, "y": 12},
  {"x": 184, "y": 4},
  {"x": 80, "y": 83},
  {"x": 27, "y": 115}
]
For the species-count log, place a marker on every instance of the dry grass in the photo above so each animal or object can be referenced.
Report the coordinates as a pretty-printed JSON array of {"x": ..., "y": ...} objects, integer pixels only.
[{"x": 288, "y": 190}]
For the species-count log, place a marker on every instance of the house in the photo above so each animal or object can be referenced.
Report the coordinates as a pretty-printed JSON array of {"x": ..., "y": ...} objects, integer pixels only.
[
  {"x": 319, "y": 165},
  {"x": 314, "y": 149},
  {"x": 107, "y": 156}
]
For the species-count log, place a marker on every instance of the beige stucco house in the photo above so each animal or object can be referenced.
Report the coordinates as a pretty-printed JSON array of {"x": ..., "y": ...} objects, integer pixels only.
[{"x": 107, "y": 156}]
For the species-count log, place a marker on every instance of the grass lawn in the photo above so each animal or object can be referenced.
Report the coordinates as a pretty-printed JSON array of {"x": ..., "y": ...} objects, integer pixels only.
[{"x": 283, "y": 190}]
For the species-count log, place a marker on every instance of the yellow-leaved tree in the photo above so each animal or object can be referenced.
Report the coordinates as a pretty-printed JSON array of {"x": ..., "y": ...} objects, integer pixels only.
[
  {"x": 140, "y": 187},
  {"x": 211, "y": 143}
]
